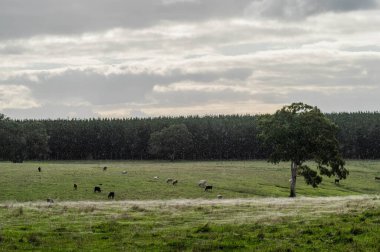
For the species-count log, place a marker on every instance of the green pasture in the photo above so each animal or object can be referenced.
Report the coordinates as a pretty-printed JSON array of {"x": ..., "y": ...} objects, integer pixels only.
[
  {"x": 307, "y": 224},
  {"x": 255, "y": 213},
  {"x": 232, "y": 179}
]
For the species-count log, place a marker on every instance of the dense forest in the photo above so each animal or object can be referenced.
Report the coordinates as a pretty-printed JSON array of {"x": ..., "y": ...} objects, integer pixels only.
[{"x": 190, "y": 138}]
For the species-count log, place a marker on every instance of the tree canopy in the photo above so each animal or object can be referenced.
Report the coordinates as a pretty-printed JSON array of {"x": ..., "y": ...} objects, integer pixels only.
[
  {"x": 299, "y": 133},
  {"x": 219, "y": 137},
  {"x": 171, "y": 142},
  {"x": 22, "y": 140}
]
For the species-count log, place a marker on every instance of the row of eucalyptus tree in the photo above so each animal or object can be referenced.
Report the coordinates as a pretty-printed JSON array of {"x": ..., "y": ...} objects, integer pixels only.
[
  {"x": 191, "y": 138},
  {"x": 359, "y": 134},
  {"x": 194, "y": 138},
  {"x": 20, "y": 140}
]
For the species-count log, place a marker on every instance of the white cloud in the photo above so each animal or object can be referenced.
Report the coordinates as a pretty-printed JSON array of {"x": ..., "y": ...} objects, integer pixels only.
[
  {"x": 199, "y": 87},
  {"x": 219, "y": 108},
  {"x": 16, "y": 97},
  {"x": 296, "y": 9}
]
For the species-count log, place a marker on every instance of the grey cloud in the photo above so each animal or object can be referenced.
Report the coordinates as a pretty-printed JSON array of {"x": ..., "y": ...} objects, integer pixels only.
[
  {"x": 20, "y": 18},
  {"x": 344, "y": 100},
  {"x": 99, "y": 89},
  {"x": 12, "y": 50},
  {"x": 328, "y": 73},
  {"x": 94, "y": 88},
  {"x": 331, "y": 61},
  {"x": 76, "y": 93},
  {"x": 196, "y": 98},
  {"x": 296, "y": 9},
  {"x": 52, "y": 111}
]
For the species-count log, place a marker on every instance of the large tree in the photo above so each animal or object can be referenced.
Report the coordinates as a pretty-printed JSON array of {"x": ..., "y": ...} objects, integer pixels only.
[
  {"x": 300, "y": 133},
  {"x": 172, "y": 142},
  {"x": 36, "y": 140},
  {"x": 20, "y": 140}
]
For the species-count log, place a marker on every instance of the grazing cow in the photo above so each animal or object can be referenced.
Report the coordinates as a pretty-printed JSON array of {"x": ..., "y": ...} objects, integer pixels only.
[
  {"x": 377, "y": 178},
  {"x": 97, "y": 189},
  {"x": 175, "y": 182},
  {"x": 75, "y": 186},
  {"x": 111, "y": 195},
  {"x": 169, "y": 180},
  {"x": 39, "y": 169},
  {"x": 202, "y": 183},
  {"x": 48, "y": 200},
  {"x": 208, "y": 187},
  {"x": 336, "y": 181},
  {"x": 105, "y": 168}
]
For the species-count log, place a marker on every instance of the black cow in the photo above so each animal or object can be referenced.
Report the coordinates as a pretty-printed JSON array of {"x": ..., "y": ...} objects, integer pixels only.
[
  {"x": 75, "y": 186},
  {"x": 208, "y": 187},
  {"x": 111, "y": 195},
  {"x": 97, "y": 189},
  {"x": 105, "y": 168},
  {"x": 336, "y": 181},
  {"x": 39, "y": 169}
]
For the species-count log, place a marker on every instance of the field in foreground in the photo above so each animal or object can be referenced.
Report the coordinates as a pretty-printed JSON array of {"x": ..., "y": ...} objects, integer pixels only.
[
  {"x": 238, "y": 179},
  {"x": 151, "y": 215},
  {"x": 350, "y": 223}
]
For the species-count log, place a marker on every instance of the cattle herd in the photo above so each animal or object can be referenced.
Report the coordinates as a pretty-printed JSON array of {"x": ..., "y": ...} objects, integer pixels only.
[
  {"x": 111, "y": 195},
  {"x": 202, "y": 183}
]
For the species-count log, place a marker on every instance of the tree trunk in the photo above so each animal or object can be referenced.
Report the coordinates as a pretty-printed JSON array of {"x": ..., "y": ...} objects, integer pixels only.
[{"x": 293, "y": 170}]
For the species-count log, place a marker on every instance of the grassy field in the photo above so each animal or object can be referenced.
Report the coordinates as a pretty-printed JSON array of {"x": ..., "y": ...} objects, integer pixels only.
[
  {"x": 151, "y": 215},
  {"x": 22, "y": 182},
  {"x": 267, "y": 224}
]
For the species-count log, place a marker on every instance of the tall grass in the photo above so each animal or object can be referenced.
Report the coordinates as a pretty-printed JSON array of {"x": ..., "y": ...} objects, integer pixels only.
[{"x": 306, "y": 224}]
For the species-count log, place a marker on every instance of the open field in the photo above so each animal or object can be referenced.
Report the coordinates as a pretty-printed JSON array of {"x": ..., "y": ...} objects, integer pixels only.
[
  {"x": 350, "y": 223},
  {"x": 22, "y": 182},
  {"x": 150, "y": 215}
]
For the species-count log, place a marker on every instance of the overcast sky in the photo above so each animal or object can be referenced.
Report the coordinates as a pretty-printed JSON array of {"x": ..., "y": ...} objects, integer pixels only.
[{"x": 124, "y": 58}]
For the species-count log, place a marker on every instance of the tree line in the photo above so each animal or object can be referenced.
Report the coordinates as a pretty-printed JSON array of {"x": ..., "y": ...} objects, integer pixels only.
[{"x": 190, "y": 138}]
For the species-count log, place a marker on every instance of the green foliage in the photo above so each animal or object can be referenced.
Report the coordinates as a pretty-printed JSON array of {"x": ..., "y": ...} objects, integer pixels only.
[
  {"x": 36, "y": 140},
  {"x": 300, "y": 132},
  {"x": 172, "y": 142},
  {"x": 12, "y": 140},
  {"x": 311, "y": 176},
  {"x": 213, "y": 137},
  {"x": 22, "y": 140}
]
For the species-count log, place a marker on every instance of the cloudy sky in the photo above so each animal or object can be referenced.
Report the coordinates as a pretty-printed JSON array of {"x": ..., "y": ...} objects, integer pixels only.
[{"x": 124, "y": 58}]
